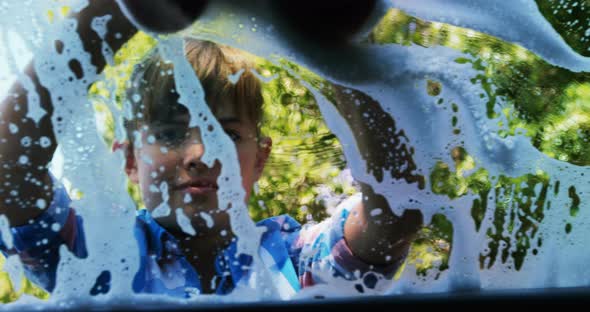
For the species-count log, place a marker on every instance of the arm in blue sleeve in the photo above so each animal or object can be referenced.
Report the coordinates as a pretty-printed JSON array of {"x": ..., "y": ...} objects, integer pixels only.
[{"x": 37, "y": 243}]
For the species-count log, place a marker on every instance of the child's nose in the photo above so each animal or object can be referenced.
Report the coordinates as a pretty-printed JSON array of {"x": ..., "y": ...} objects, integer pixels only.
[{"x": 193, "y": 155}]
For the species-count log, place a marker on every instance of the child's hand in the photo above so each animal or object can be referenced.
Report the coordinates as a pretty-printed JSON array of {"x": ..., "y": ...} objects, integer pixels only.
[
  {"x": 373, "y": 232},
  {"x": 162, "y": 16},
  {"x": 20, "y": 208},
  {"x": 323, "y": 22}
]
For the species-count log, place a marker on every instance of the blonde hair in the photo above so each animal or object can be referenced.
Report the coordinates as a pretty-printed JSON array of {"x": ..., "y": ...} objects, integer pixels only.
[{"x": 153, "y": 84}]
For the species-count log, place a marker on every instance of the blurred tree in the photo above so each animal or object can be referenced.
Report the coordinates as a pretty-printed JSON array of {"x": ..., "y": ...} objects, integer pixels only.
[
  {"x": 547, "y": 103},
  {"x": 571, "y": 19}
]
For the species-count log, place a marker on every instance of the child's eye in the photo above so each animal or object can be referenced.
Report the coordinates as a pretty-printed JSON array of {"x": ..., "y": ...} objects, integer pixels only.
[
  {"x": 171, "y": 135},
  {"x": 234, "y": 135}
]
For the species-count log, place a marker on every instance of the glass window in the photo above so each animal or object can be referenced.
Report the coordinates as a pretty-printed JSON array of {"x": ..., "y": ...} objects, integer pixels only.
[{"x": 215, "y": 152}]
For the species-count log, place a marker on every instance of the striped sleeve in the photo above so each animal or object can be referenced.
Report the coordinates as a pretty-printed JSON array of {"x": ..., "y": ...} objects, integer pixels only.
[{"x": 325, "y": 256}]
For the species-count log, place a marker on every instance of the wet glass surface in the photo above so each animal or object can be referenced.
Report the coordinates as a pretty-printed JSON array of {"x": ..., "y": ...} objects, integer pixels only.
[{"x": 474, "y": 114}]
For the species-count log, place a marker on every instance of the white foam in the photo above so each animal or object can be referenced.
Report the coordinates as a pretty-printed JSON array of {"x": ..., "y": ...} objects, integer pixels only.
[
  {"x": 184, "y": 222},
  {"x": 518, "y": 21}
]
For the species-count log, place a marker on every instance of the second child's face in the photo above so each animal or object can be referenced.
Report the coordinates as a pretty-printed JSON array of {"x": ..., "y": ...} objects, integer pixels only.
[{"x": 171, "y": 153}]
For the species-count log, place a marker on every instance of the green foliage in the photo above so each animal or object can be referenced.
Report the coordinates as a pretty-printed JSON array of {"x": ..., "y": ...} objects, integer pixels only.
[
  {"x": 520, "y": 205},
  {"x": 430, "y": 252},
  {"x": 570, "y": 19},
  {"x": 456, "y": 184},
  {"x": 545, "y": 102},
  {"x": 306, "y": 159},
  {"x": 9, "y": 294}
]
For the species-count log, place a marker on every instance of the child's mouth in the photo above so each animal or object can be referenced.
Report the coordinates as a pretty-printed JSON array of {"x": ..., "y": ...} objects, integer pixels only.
[
  {"x": 199, "y": 190},
  {"x": 199, "y": 187}
]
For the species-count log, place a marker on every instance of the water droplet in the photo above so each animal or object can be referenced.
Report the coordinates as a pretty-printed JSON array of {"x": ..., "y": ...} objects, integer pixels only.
[
  {"x": 376, "y": 212},
  {"x": 13, "y": 128},
  {"x": 23, "y": 160},
  {"x": 41, "y": 204},
  {"x": 146, "y": 159},
  {"x": 184, "y": 222},
  {"x": 25, "y": 141},
  {"x": 153, "y": 188},
  {"x": 45, "y": 142},
  {"x": 208, "y": 220},
  {"x": 55, "y": 227}
]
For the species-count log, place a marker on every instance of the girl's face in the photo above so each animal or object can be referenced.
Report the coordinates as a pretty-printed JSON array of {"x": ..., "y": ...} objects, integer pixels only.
[{"x": 171, "y": 153}]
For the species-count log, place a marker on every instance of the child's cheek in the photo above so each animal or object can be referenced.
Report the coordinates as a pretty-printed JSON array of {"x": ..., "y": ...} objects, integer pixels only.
[
  {"x": 166, "y": 165},
  {"x": 158, "y": 169},
  {"x": 246, "y": 158},
  {"x": 157, "y": 165}
]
